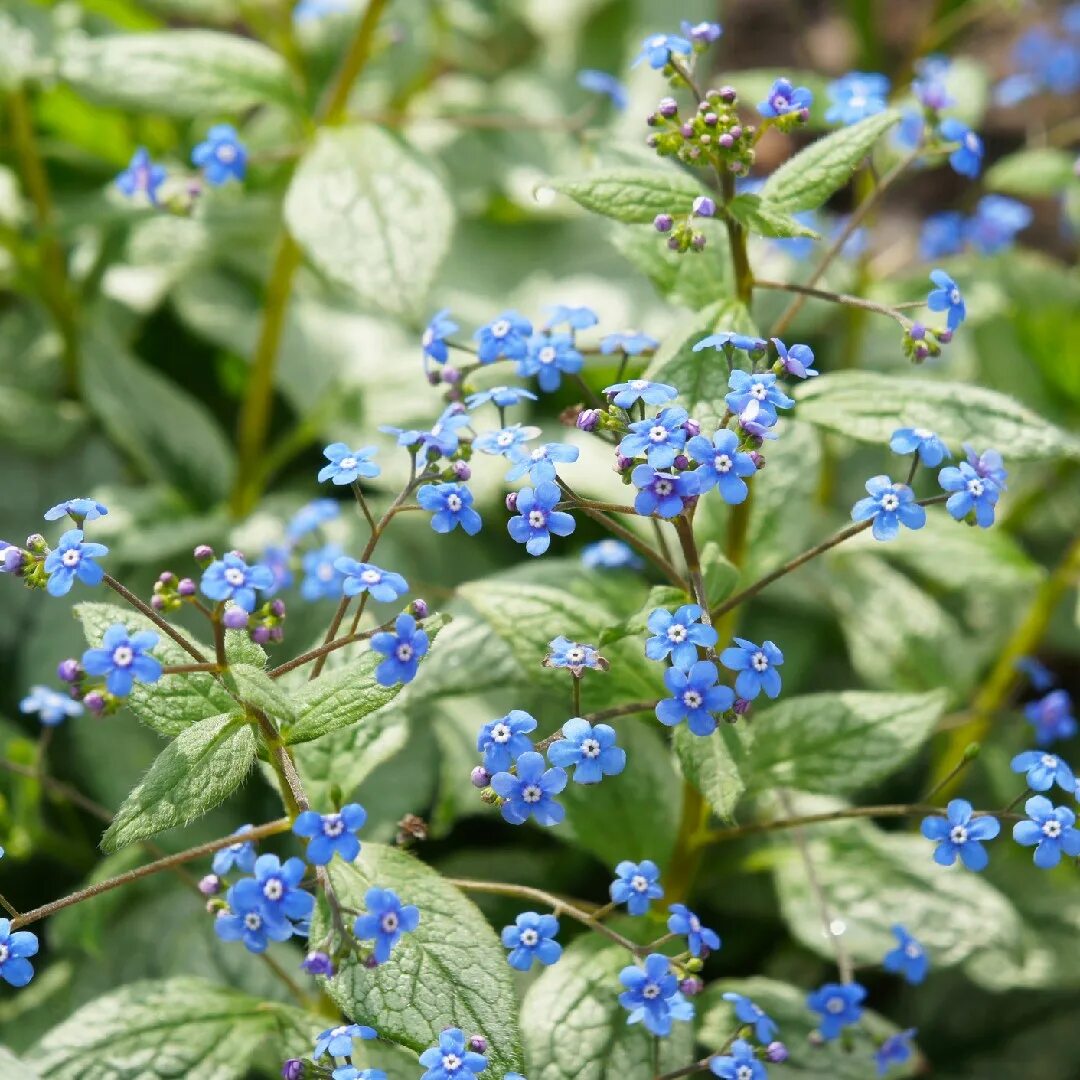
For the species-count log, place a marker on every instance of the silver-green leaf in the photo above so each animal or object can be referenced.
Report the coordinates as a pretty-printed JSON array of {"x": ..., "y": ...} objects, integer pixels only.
[
  {"x": 632, "y": 196},
  {"x": 767, "y": 219}
]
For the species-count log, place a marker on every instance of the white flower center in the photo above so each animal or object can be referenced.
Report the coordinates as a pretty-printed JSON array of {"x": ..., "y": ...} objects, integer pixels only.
[
  {"x": 71, "y": 557},
  {"x": 658, "y": 434},
  {"x": 273, "y": 889},
  {"x": 537, "y": 519},
  {"x": 389, "y": 922},
  {"x": 780, "y": 103},
  {"x": 226, "y": 153},
  {"x": 500, "y": 328},
  {"x": 546, "y": 355},
  {"x": 889, "y": 502},
  {"x": 339, "y": 1031},
  {"x": 531, "y": 793},
  {"x": 677, "y": 633},
  {"x": 1052, "y": 828},
  {"x": 252, "y": 920},
  {"x": 504, "y": 438},
  {"x": 975, "y": 487},
  {"x": 4, "y": 953},
  {"x": 639, "y": 883},
  {"x": 370, "y": 577},
  {"x": 575, "y": 655},
  {"x": 453, "y": 503},
  {"x": 722, "y": 463},
  {"x": 650, "y": 991},
  {"x": 325, "y": 571},
  {"x": 922, "y": 433},
  {"x": 123, "y": 655},
  {"x": 744, "y": 1072},
  {"x": 912, "y": 950},
  {"x": 347, "y": 463},
  {"x": 590, "y": 748},
  {"x": 759, "y": 391},
  {"x": 451, "y": 1062},
  {"x": 835, "y": 1005},
  {"x": 333, "y": 825},
  {"x": 539, "y": 454},
  {"x": 234, "y": 577},
  {"x": 529, "y": 938},
  {"x": 428, "y": 337},
  {"x": 404, "y": 652},
  {"x": 958, "y": 834},
  {"x": 954, "y": 296},
  {"x": 857, "y": 101},
  {"x": 759, "y": 661},
  {"x": 663, "y": 487},
  {"x": 692, "y": 699},
  {"x": 1048, "y": 761},
  {"x": 501, "y": 733}
]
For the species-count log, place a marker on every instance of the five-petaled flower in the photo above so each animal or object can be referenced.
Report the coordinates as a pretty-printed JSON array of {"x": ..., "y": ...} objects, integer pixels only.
[
  {"x": 751, "y": 386},
  {"x": 930, "y": 448},
  {"x": 549, "y": 357},
  {"x": 652, "y": 995},
  {"x": 123, "y": 658},
  {"x": 502, "y": 397},
  {"x": 625, "y": 394},
  {"x": 908, "y": 958},
  {"x": 79, "y": 510},
  {"x": 662, "y": 493},
  {"x": 433, "y": 339},
  {"x": 797, "y": 360},
  {"x": 403, "y": 647},
  {"x": 221, "y": 155},
  {"x": 636, "y": 885},
  {"x": 504, "y": 440},
  {"x": 452, "y": 1059},
  {"x": 330, "y": 834},
  {"x": 748, "y": 1012},
  {"x": 731, "y": 338},
  {"x": 948, "y": 298},
  {"x": 678, "y": 634},
  {"x": 1050, "y": 830},
  {"x": 784, "y": 98},
  {"x": 840, "y": 1006},
  {"x": 740, "y": 1064},
  {"x": 603, "y": 82},
  {"x": 610, "y": 554},
  {"x": 505, "y": 337},
  {"x": 658, "y": 49},
  {"x": 756, "y": 665},
  {"x": 245, "y": 919},
  {"x": 682, "y": 920},
  {"x": 73, "y": 558},
  {"x": 450, "y": 505},
  {"x": 384, "y": 921},
  {"x": 889, "y": 506},
  {"x": 51, "y": 706},
  {"x": 347, "y": 465},
  {"x": 659, "y": 439},
  {"x": 504, "y": 740},
  {"x": 590, "y": 749},
  {"x": 1043, "y": 770},
  {"x": 338, "y": 1041},
  {"x": 576, "y": 318},
  {"x": 240, "y": 855},
  {"x": 696, "y": 698},
  {"x": 142, "y": 177},
  {"x": 855, "y": 96},
  {"x": 722, "y": 465},
  {"x": 275, "y": 889},
  {"x": 15, "y": 949},
  {"x": 362, "y": 577},
  {"x": 573, "y": 655},
  {"x": 1052, "y": 717},
  {"x": 230, "y": 578},
  {"x": 961, "y": 834},
  {"x": 322, "y": 580},
  {"x": 532, "y": 938},
  {"x": 530, "y": 792},
  {"x": 894, "y": 1050},
  {"x": 537, "y": 519},
  {"x": 540, "y": 462}
]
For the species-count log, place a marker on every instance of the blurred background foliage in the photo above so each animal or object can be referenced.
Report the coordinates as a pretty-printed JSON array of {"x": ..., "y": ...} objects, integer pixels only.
[{"x": 126, "y": 337}]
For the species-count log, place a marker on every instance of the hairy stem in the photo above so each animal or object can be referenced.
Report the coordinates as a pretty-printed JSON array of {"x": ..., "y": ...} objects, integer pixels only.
[
  {"x": 145, "y": 609},
  {"x": 836, "y": 298},
  {"x": 324, "y": 650}
]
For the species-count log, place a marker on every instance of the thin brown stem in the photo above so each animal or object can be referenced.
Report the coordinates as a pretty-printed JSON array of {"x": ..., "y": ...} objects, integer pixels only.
[
  {"x": 325, "y": 650},
  {"x": 8, "y": 906},
  {"x": 155, "y": 618},
  {"x": 836, "y": 298}
]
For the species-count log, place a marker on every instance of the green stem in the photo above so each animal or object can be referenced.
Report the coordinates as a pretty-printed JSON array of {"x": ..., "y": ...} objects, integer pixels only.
[{"x": 740, "y": 260}]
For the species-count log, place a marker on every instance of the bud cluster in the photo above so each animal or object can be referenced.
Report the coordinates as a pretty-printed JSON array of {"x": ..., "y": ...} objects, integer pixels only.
[
  {"x": 712, "y": 136},
  {"x": 921, "y": 342}
]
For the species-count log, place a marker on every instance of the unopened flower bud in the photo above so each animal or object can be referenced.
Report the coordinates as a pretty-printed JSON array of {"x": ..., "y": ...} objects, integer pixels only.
[
  {"x": 726, "y": 141},
  {"x": 511, "y": 501},
  {"x": 317, "y": 963},
  {"x": 277, "y": 609},
  {"x": 663, "y": 223},
  {"x": 157, "y": 602},
  {"x": 622, "y": 463},
  {"x": 166, "y": 577},
  {"x": 419, "y": 609},
  {"x": 35, "y": 542},
  {"x": 68, "y": 670},
  {"x": 691, "y": 986},
  {"x": 293, "y": 1069},
  {"x": 921, "y": 352},
  {"x": 277, "y": 633},
  {"x": 711, "y": 119},
  {"x": 691, "y": 427},
  {"x": 668, "y": 107},
  {"x": 944, "y": 336},
  {"x": 186, "y": 587},
  {"x": 371, "y": 963},
  {"x": 210, "y": 885},
  {"x": 687, "y": 130},
  {"x": 704, "y": 206},
  {"x": 478, "y": 1044},
  {"x": 461, "y": 470},
  {"x": 480, "y": 777},
  {"x": 451, "y": 375},
  {"x": 235, "y": 618},
  {"x": 588, "y": 419},
  {"x": 697, "y": 241},
  {"x": 681, "y": 461},
  {"x": 728, "y": 95},
  {"x": 94, "y": 702},
  {"x": 260, "y": 635},
  {"x": 693, "y": 965},
  {"x": 735, "y": 132},
  {"x": 804, "y": 115},
  {"x": 741, "y": 706},
  {"x": 673, "y": 243},
  {"x": 776, "y": 1052},
  {"x": 815, "y": 1038},
  {"x": 757, "y": 459},
  {"x": 204, "y": 553}
]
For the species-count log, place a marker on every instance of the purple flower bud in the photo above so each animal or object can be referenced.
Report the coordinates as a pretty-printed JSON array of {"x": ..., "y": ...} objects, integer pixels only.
[
  {"x": 735, "y": 132},
  {"x": 419, "y": 609},
  {"x": 622, "y": 463},
  {"x": 478, "y": 1044},
  {"x": 687, "y": 130},
  {"x": 166, "y": 577},
  {"x": 461, "y": 470},
  {"x": 94, "y": 702},
  {"x": 11, "y": 559},
  {"x": 434, "y": 377},
  {"x": 480, "y": 777},
  {"x": 203, "y": 553},
  {"x": 235, "y": 618},
  {"x": 511, "y": 502},
  {"x": 691, "y": 986},
  {"x": 697, "y": 241},
  {"x": 663, "y": 223},
  {"x": 371, "y": 963},
  {"x": 741, "y": 706},
  {"x": 210, "y": 885},
  {"x": 277, "y": 633},
  {"x": 682, "y": 461},
  {"x": 652, "y": 142},
  {"x": 921, "y": 352},
  {"x": 673, "y": 243},
  {"x": 711, "y": 119},
  {"x": 917, "y": 331},
  {"x": 691, "y": 427},
  {"x": 726, "y": 141},
  {"x": 68, "y": 671},
  {"x": 186, "y": 587},
  {"x": 704, "y": 206},
  {"x": 588, "y": 419},
  {"x": 260, "y": 635},
  {"x": 668, "y": 107},
  {"x": 728, "y": 95},
  {"x": 157, "y": 602},
  {"x": 757, "y": 459},
  {"x": 451, "y": 375},
  {"x": 944, "y": 337},
  {"x": 776, "y": 1051},
  {"x": 804, "y": 115},
  {"x": 293, "y": 1069},
  {"x": 277, "y": 609},
  {"x": 318, "y": 963}
]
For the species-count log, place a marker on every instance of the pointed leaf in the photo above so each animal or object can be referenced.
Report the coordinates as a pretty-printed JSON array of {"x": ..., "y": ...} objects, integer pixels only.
[{"x": 632, "y": 196}]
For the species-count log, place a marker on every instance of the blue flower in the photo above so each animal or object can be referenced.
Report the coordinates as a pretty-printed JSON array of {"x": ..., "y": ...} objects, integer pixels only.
[
  {"x": 322, "y": 578},
  {"x": 971, "y": 493},
  {"x": 230, "y": 578},
  {"x": 351, "y": 1072},
  {"x": 450, "y": 505},
  {"x": 589, "y": 749},
  {"x": 278, "y": 560},
  {"x": 347, "y": 466},
  {"x": 532, "y": 937},
  {"x": 600, "y": 82},
  {"x": 1038, "y": 674},
  {"x": 696, "y": 698},
  {"x": 142, "y": 177},
  {"x": 636, "y": 885},
  {"x": 15, "y": 969},
  {"x": 122, "y": 659},
  {"x": 678, "y": 635},
  {"x": 657, "y": 49},
  {"x": 1050, "y": 830},
  {"x": 683, "y": 921},
  {"x": 537, "y": 518},
  {"x": 960, "y": 834},
  {"x": 573, "y": 655},
  {"x": 930, "y": 448},
  {"x": 889, "y": 505},
  {"x": 441, "y": 441},
  {"x": 311, "y": 516},
  {"x": 857, "y": 95},
  {"x": 275, "y": 889},
  {"x": 659, "y": 439},
  {"x": 943, "y": 234},
  {"x": 748, "y": 386},
  {"x": 722, "y": 465},
  {"x": 907, "y": 959},
  {"x": 747, "y": 1012},
  {"x": 577, "y": 318},
  {"x": 729, "y": 337},
  {"x": 433, "y": 340},
  {"x": 549, "y": 357},
  {"x": 624, "y": 394},
  {"x": 757, "y": 421},
  {"x": 1017, "y": 88},
  {"x": 1043, "y": 770},
  {"x": 988, "y": 465},
  {"x": 386, "y": 919},
  {"x": 239, "y": 856},
  {"x": 995, "y": 223},
  {"x": 504, "y": 740},
  {"x": 1052, "y": 717},
  {"x": 966, "y": 159},
  {"x": 73, "y": 558},
  {"x": 740, "y": 1064},
  {"x": 79, "y": 509},
  {"x": 502, "y": 397},
  {"x": 383, "y": 585},
  {"x": 331, "y": 833},
  {"x": 505, "y": 440},
  {"x": 756, "y": 666},
  {"x": 51, "y": 706},
  {"x": 662, "y": 493},
  {"x": 784, "y": 98},
  {"x": 797, "y": 361},
  {"x": 540, "y": 462},
  {"x": 610, "y": 555},
  {"x": 338, "y": 1041},
  {"x": 652, "y": 995},
  {"x": 222, "y": 156},
  {"x": 947, "y": 297},
  {"x": 11, "y": 558},
  {"x": 451, "y": 1059},
  {"x": 529, "y": 793},
  {"x": 840, "y": 1006},
  {"x": 246, "y": 921},
  {"x": 629, "y": 342},
  {"x": 702, "y": 33},
  {"x": 505, "y": 337},
  {"x": 403, "y": 649},
  {"x": 895, "y": 1050}
]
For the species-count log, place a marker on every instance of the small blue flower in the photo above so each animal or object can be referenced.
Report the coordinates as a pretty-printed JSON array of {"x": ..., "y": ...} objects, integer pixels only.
[
  {"x": 78, "y": 509},
  {"x": 971, "y": 493},
  {"x": 988, "y": 465},
  {"x": 504, "y": 740},
  {"x": 238, "y": 856},
  {"x": 142, "y": 177},
  {"x": 322, "y": 579},
  {"x": 747, "y": 1012},
  {"x": 931, "y": 450},
  {"x": 930, "y": 85},
  {"x": 530, "y": 793},
  {"x": 230, "y": 578},
  {"x": 383, "y": 585},
  {"x": 1052, "y": 717},
  {"x": 908, "y": 958},
  {"x": 748, "y": 386},
  {"x": 330, "y": 834},
  {"x": 960, "y": 834},
  {"x": 386, "y": 919},
  {"x": 502, "y": 397},
  {"x": 840, "y": 1006},
  {"x": 736, "y": 341},
  {"x": 589, "y": 749},
  {"x": 540, "y": 463},
  {"x": 966, "y": 159},
  {"x": 629, "y": 342},
  {"x": 451, "y": 1059},
  {"x": 636, "y": 885},
  {"x": 403, "y": 649},
  {"x": 51, "y": 706},
  {"x": 702, "y": 33},
  {"x": 625, "y": 394},
  {"x": 532, "y": 938},
  {"x": 450, "y": 505},
  {"x": 275, "y": 889},
  {"x": 652, "y": 995},
  {"x": 889, "y": 505},
  {"x": 549, "y": 357},
  {"x": 757, "y": 420},
  {"x": 610, "y": 555},
  {"x": 441, "y": 441},
  {"x": 15, "y": 948},
  {"x": 657, "y": 49},
  {"x": 678, "y": 635},
  {"x": 346, "y": 465},
  {"x": 249, "y": 923},
  {"x": 943, "y": 234},
  {"x": 1038, "y": 674},
  {"x": 895, "y": 1050},
  {"x": 947, "y": 297},
  {"x": 756, "y": 666},
  {"x": 659, "y": 439},
  {"x": 995, "y": 223},
  {"x": 573, "y": 655},
  {"x": 351, "y": 1072},
  {"x": 696, "y": 698},
  {"x": 857, "y": 95},
  {"x": 722, "y": 466},
  {"x": 537, "y": 519},
  {"x": 278, "y": 560},
  {"x": 797, "y": 361},
  {"x": 576, "y": 318},
  {"x": 1050, "y": 829},
  {"x": 122, "y": 659},
  {"x": 505, "y": 440},
  {"x": 433, "y": 340},
  {"x": 662, "y": 493},
  {"x": 740, "y": 1064},
  {"x": 601, "y": 82},
  {"x": 222, "y": 156},
  {"x": 784, "y": 98},
  {"x": 311, "y": 516},
  {"x": 1043, "y": 770},
  {"x": 73, "y": 558},
  {"x": 338, "y": 1041},
  {"x": 504, "y": 338},
  {"x": 683, "y": 921}
]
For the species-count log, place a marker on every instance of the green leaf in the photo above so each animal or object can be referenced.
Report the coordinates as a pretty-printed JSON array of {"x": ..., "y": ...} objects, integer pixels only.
[
  {"x": 450, "y": 972},
  {"x": 1036, "y": 173},
  {"x": 720, "y": 573},
  {"x": 28, "y": 37},
  {"x": 767, "y": 219},
  {"x": 632, "y": 196},
  {"x": 573, "y": 1024},
  {"x": 11, "y": 1067},
  {"x": 805, "y": 181},
  {"x": 179, "y": 72},
  {"x": 205, "y": 764},
  {"x": 263, "y": 693},
  {"x": 660, "y": 596},
  {"x": 180, "y": 1027},
  {"x": 372, "y": 216},
  {"x": 37, "y": 425},
  {"x": 714, "y": 764},
  {"x": 870, "y": 406}
]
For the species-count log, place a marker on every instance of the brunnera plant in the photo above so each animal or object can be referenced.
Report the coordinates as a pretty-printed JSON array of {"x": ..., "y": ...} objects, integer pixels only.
[{"x": 665, "y": 730}]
